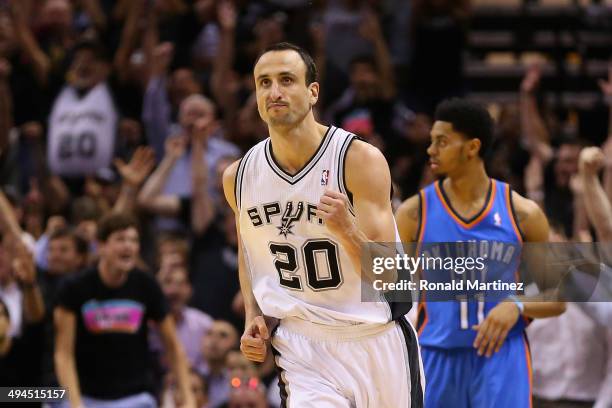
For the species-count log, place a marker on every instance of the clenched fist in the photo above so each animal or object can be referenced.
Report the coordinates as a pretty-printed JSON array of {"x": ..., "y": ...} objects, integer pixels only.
[
  {"x": 591, "y": 161},
  {"x": 333, "y": 208}
]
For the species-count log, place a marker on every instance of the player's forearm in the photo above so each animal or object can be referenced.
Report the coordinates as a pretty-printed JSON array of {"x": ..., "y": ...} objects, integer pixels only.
[
  {"x": 539, "y": 310},
  {"x": 251, "y": 308},
  {"x": 362, "y": 253},
  {"x": 597, "y": 206}
]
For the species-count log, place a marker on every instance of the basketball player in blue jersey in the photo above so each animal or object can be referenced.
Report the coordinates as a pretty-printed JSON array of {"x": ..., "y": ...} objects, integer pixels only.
[
  {"x": 475, "y": 354},
  {"x": 306, "y": 199}
]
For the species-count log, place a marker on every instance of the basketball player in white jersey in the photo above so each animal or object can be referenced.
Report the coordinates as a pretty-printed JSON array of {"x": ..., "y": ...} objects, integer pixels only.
[{"x": 306, "y": 199}]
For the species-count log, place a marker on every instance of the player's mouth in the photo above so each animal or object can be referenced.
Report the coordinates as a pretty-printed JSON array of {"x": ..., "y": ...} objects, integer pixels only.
[
  {"x": 276, "y": 105},
  {"x": 433, "y": 164}
]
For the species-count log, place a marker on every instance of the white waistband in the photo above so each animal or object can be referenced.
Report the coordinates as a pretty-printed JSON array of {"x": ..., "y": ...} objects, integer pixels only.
[{"x": 318, "y": 331}]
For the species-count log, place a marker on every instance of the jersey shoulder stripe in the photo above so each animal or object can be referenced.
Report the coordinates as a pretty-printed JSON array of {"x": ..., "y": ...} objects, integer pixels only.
[{"x": 240, "y": 174}]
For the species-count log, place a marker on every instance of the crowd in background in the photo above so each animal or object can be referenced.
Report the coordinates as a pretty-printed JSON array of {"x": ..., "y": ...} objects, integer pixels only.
[{"x": 138, "y": 106}]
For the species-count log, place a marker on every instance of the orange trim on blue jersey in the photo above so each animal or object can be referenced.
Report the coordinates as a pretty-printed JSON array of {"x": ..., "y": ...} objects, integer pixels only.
[
  {"x": 529, "y": 371},
  {"x": 422, "y": 304},
  {"x": 474, "y": 222},
  {"x": 511, "y": 215},
  {"x": 423, "y": 218}
]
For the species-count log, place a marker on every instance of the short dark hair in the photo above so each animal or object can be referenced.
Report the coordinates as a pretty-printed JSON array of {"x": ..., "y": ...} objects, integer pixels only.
[
  {"x": 114, "y": 222},
  {"x": 364, "y": 60},
  {"x": 98, "y": 50},
  {"x": 84, "y": 208},
  {"x": 311, "y": 68},
  {"x": 469, "y": 118},
  {"x": 80, "y": 244}
]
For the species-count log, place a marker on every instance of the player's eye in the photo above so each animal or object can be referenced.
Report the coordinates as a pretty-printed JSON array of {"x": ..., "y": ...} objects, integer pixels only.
[
  {"x": 264, "y": 82},
  {"x": 287, "y": 80}
]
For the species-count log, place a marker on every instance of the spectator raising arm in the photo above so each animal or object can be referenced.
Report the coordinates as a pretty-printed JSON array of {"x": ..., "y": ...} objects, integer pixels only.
[
  {"x": 133, "y": 174},
  {"x": 129, "y": 37},
  {"x": 23, "y": 262},
  {"x": 533, "y": 130},
  {"x": 225, "y": 96},
  {"x": 6, "y": 105},
  {"x": 28, "y": 43},
  {"x": 25, "y": 272},
  {"x": 95, "y": 13},
  {"x": 156, "y": 109},
  {"x": 151, "y": 198},
  {"x": 370, "y": 30},
  {"x": 534, "y": 135},
  {"x": 597, "y": 204},
  {"x": 606, "y": 88},
  {"x": 202, "y": 207},
  {"x": 54, "y": 189},
  {"x": 8, "y": 221}
]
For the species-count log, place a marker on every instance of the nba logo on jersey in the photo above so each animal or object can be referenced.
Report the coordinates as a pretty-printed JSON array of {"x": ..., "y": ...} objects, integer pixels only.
[
  {"x": 497, "y": 219},
  {"x": 324, "y": 177}
]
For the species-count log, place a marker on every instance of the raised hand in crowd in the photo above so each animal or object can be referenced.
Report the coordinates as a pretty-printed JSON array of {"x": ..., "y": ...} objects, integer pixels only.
[
  {"x": 597, "y": 204},
  {"x": 161, "y": 59},
  {"x": 175, "y": 147},
  {"x": 133, "y": 175},
  {"x": 151, "y": 197},
  {"x": 591, "y": 161},
  {"x": 202, "y": 209},
  {"x": 25, "y": 274},
  {"x": 54, "y": 223},
  {"x": 6, "y": 108},
  {"x": 136, "y": 171},
  {"x": 226, "y": 15},
  {"x": 532, "y": 79},
  {"x": 370, "y": 27}
]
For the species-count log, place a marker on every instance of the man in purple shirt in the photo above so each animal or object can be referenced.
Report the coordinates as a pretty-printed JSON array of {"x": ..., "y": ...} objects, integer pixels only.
[{"x": 191, "y": 324}]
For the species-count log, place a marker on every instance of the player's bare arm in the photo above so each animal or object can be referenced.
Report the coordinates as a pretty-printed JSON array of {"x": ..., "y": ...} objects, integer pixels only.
[
  {"x": 407, "y": 218},
  {"x": 256, "y": 333},
  {"x": 493, "y": 330},
  {"x": 369, "y": 180},
  {"x": 534, "y": 225}
]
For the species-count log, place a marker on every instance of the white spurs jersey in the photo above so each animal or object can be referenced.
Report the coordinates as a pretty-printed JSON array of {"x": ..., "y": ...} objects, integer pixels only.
[{"x": 298, "y": 268}]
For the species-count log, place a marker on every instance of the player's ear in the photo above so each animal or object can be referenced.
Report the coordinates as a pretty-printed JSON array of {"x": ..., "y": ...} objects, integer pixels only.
[
  {"x": 313, "y": 88},
  {"x": 474, "y": 147}
]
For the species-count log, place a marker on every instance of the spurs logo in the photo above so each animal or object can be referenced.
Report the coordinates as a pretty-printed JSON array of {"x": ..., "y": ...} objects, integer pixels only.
[{"x": 289, "y": 217}]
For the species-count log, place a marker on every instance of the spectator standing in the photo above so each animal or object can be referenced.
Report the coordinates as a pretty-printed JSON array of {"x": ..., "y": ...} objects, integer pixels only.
[{"x": 101, "y": 318}]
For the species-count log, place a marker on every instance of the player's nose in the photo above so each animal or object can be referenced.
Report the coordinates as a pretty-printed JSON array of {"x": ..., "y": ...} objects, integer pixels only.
[
  {"x": 275, "y": 92},
  {"x": 431, "y": 150}
]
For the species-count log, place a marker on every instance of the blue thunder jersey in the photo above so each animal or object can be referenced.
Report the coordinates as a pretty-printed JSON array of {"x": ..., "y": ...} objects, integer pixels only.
[{"x": 493, "y": 236}]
